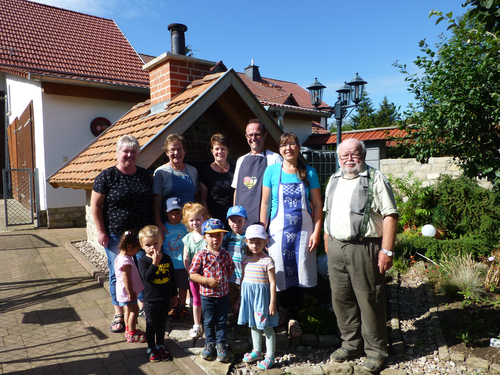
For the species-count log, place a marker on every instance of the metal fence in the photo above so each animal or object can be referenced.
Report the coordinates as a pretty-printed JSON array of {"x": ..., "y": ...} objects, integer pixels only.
[
  {"x": 325, "y": 163},
  {"x": 18, "y": 196}
]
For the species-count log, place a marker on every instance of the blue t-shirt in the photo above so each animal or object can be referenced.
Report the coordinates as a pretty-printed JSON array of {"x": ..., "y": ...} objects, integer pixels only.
[
  {"x": 271, "y": 180},
  {"x": 173, "y": 245}
]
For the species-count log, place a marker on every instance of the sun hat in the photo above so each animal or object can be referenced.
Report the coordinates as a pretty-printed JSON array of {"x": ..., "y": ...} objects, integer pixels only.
[
  {"x": 237, "y": 211},
  {"x": 212, "y": 226},
  {"x": 173, "y": 203},
  {"x": 256, "y": 231}
]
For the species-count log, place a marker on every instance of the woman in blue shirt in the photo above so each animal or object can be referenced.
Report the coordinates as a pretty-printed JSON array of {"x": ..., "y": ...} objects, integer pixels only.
[{"x": 291, "y": 206}]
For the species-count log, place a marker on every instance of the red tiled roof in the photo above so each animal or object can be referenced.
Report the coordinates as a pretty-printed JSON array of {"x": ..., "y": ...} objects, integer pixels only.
[
  {"x": 146, "y": 58},
  {"x": 274, "y": 91},
  {"x": 362, "y": 135},
  {"x": 41, "y": 39},
  {"x": 316, "y": 128}
]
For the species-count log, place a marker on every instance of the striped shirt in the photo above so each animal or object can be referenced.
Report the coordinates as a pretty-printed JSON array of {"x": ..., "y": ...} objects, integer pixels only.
[
  {"x": 218, "y": 266},
  {"x": 256, "y": 269},
  {"x": 234, "y": 244}
]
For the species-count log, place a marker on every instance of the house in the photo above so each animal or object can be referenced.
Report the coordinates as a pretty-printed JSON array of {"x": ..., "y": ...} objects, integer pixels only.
[
  {"x": 66, "y": 77},
  {"x": 375, "y": 140},
  {"x": 190, "y": 96}
]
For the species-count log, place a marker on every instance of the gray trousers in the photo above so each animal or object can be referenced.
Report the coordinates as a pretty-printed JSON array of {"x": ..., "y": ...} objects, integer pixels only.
[{"x": 358, "y": 295}]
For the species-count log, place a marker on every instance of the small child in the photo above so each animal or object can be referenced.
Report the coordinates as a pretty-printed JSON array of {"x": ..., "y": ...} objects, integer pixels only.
[
  {"x": 193, "y": 216},
  {"x": 234, "y": 243},
  {"x": 174, "y": 247},
  {"x": 258, "y": 296},
  {"x": 160, "y": 291},
  {"x": 129, "y": 284},
  {"x": 211, "y": 268}
]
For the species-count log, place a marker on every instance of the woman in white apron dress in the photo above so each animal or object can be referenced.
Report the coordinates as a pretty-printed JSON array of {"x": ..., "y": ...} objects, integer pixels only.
[{"x": 290, "y": 189}]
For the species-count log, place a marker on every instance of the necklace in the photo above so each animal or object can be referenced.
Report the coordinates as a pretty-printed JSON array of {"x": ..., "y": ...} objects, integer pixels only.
[{"x": 222, "y": 169}]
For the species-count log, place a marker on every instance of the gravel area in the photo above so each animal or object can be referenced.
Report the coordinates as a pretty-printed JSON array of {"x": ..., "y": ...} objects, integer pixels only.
[{"x": 420, "y": 354}]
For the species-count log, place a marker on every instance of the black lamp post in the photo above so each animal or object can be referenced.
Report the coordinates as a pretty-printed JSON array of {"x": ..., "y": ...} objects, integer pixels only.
[{"x": 349, "y": 91}]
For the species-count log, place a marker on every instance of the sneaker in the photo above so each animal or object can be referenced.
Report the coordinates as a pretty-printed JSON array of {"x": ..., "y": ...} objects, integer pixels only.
[
  {"x": 172, "y": 314},
  {"x": 341, "y": 355},
  {"x": 373, "y": 365},
  {"x": 164, "y": 355},
  {"x": 154, "y": 356},
  {"x": 195, "y": 332},
  {"x": 184, "y": 316},
  {"x": 208, "y": 351},
  {"x": 221, "y": 352}
]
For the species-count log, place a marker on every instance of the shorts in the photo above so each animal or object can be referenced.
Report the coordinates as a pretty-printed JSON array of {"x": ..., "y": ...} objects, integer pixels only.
[
  {"x": 134, "y": 302},
  {"x": 181, "y": 278},
  {"x": 195, "y": 293}
]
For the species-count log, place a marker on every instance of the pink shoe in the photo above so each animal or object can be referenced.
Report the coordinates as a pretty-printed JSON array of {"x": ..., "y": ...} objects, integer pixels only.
[{"x": 138, "y": 336}]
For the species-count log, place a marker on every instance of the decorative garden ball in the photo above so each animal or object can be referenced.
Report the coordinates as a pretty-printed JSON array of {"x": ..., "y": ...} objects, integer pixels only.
[{"x": 428, "y": 230}]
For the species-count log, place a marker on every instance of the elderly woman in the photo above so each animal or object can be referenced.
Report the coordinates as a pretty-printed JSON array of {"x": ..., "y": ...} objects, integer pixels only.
[
  {"x": 121, "y": 200},
  {"x": 215, "y": 180},
  {"x": 291, "y": 197},
  {"x": 174, "y": 179}
]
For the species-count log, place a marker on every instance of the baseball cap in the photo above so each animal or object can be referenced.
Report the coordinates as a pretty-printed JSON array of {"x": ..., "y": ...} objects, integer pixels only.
[
  {"x": 256, "y": 231},
  {"x": 237, "y": 211},
  {"x": 173, "y": 203},
  {"x": 212, "y": 226}
]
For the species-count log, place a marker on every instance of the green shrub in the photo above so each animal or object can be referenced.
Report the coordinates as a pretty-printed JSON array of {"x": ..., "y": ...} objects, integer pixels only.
[
  {"x": 407, "y": 246},
  {"x": 467, "y": 209},
  {"x": 414, "y": 201}
]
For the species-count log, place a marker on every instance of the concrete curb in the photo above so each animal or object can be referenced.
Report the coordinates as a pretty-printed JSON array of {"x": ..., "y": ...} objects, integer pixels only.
[{"x": 181, "y": 359}]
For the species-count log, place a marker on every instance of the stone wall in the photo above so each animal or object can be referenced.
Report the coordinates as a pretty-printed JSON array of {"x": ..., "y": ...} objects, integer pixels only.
[
  {"x": 429, "y": 172},
  {"x": 65, "y": 217}
]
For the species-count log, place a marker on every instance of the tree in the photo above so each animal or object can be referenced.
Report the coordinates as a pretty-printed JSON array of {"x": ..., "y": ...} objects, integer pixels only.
[
  {"x": 387, "y": 115},
  {"x": 360, "y": 119},
  {"x": 457, "y": 111}
]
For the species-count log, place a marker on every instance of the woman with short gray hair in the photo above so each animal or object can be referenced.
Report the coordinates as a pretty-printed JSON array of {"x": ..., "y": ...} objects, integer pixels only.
[{"x": 121, "y": 200}]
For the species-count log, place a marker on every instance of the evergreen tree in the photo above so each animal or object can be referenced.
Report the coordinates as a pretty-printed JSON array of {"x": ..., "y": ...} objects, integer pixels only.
[
  {"x": 360, "y": 119},
  {"x": 387, "y": 115}
]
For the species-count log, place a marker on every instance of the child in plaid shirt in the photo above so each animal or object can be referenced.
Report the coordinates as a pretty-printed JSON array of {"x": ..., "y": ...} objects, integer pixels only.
[{"x": 211, "y": 268}]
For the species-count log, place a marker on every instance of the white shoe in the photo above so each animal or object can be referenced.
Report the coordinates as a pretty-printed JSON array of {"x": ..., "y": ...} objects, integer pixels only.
[{"x": 195, "y": 332}]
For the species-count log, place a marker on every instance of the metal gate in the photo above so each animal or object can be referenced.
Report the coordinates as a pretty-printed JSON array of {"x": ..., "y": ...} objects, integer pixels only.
[
  {"x": 18, "y": 196},
  {"x": 325, "y": 163}
]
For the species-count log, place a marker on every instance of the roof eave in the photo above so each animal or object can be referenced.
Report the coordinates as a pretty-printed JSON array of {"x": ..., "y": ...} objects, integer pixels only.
[{"x": 130, "y": 87}]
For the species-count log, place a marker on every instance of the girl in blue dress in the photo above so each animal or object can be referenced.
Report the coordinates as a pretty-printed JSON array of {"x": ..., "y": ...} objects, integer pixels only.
[{"x": 258, "y": 297}]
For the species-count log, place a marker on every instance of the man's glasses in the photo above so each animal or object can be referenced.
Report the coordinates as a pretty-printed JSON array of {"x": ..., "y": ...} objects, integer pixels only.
[{"x": 353, "y": 156}]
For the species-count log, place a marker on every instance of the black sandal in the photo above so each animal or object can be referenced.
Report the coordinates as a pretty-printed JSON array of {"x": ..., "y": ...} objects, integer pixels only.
[{"x": 117, "y": 322}]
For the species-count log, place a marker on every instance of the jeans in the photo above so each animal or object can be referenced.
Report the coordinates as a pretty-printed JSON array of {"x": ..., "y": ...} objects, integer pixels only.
[
  {"x": 112, "y": 252},
  {"x": 215, "y": 312}
]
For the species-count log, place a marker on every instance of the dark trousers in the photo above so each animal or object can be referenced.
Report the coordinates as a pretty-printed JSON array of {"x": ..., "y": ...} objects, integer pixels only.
[
  {"x": 215, "y": 311},
  {"x": 358, "y": 295},
  {"x": 156, "y": 320}
]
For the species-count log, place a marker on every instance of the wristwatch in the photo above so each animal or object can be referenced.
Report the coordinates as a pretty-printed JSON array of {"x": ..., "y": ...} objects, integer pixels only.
[{"x": 389, "y": 253}]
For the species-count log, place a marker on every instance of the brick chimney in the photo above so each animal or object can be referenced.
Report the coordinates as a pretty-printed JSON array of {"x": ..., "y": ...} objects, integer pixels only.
[{"x": 172, "y": 72}]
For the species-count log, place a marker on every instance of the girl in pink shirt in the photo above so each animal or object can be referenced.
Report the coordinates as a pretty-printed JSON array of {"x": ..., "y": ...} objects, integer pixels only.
[{"x": 129, "y": 284}]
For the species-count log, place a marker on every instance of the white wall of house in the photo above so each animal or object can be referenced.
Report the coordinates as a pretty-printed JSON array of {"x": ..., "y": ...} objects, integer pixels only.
[
  {"x": 62, "y": 129},
  {"x": 66, "y": 132},
  {"x": 302, "y": 129}
]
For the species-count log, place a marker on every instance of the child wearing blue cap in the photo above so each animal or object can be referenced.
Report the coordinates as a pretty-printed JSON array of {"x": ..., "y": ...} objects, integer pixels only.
[
  {"x": 174, "y": 247},
  {"x": 234, "y": 243},
  {"x": 211, "y": 268}
]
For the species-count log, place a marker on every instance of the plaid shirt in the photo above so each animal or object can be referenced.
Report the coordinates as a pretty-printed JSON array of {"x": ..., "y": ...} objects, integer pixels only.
[{"x": 217, "y": 266}]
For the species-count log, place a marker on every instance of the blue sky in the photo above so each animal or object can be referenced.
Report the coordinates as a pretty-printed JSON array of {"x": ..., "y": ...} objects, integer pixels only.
[{"x": 291, "y": 40}]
